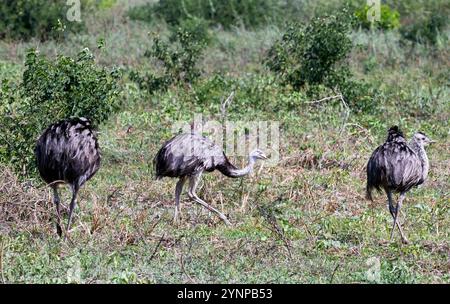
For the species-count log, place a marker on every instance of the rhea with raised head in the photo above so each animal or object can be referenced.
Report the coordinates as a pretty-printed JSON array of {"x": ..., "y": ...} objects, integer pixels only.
[{"x": 397, "y": 166}]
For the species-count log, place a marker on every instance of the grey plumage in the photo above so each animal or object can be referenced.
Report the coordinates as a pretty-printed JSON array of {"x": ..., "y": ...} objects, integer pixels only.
[
  {"x": 396, "y": 167},
  {"x": 187, "y": 156},
  {"x": 67, "y": 152}
]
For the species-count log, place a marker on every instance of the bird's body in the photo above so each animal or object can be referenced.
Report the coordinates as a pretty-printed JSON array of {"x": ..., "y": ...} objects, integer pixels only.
[
  {"x": 396, "y": 167},
  {"x": 187, "y": 156},
  {"x": 67, "y": 153}
]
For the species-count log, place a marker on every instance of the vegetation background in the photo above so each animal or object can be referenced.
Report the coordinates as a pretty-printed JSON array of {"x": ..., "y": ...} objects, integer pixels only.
[{"x": 138, "y": 66}]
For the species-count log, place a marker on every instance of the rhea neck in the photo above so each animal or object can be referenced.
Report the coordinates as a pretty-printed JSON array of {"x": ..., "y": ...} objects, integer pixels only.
[
  {"x": 419, "y": 149},
  {"x": 232, "y": 171}
]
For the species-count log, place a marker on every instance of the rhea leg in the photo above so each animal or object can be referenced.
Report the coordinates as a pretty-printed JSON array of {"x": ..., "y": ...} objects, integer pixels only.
[
  {"x": 394, "y": 212},
  {"x": 397, "y": 210},
  {"x": 193, "y": 183},
  {"x": 391, "y": 204},
  {"x": 178, "y": 189},
  {"x": 73, "y": 203},
  {"x": 57, "y": 202}
]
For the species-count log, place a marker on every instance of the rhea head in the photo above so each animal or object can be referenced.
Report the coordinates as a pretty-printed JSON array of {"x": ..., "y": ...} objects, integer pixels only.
[
  {"x": 421, "y": 139},
  {"x": 257, "y": 154}
]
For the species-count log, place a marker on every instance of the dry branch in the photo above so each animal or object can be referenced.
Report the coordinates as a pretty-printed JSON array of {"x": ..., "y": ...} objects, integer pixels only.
[
  {"x": 346, "y": 110},
  {"x": 225, "y": 104}
]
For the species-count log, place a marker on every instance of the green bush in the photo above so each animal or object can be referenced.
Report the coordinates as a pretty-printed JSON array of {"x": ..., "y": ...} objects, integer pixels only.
[
  {"x": 143, "y": 12},
  {"x": 389, "y": 18},
  {"x": 250, "y": 13},
  {"x": 52, "y": 90},
  {"x": 425, "y": 27},
  {"x": 309, "y": 54},
  {"x": 195, "y": 27},
  {"x": 100, "y": 4},
  {"x": 179, "y": 57},
  {"x": 314, "y": 56},
  {"x": 24, "y": 19}
]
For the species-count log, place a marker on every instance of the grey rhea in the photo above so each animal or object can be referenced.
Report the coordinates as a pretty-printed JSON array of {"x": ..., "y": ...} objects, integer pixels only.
[
  {"x": 67, "y": 153},
  {"x": 397, "y": 166},
  {"x": 186, "y": 156}
]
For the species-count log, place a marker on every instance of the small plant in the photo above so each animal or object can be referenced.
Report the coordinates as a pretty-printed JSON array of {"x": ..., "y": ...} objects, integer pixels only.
[
  {"x": 389, "y": 18},
  {"x": 24, "y": 19},
  {"x": 52, "y": 90},
  {"x": 178, "y": 58}
]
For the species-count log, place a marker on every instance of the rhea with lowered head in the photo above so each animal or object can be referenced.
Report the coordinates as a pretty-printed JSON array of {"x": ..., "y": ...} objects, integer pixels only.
[
  {"x": 396, "y": 167},
  {"x": 67, "y": 153},
  {"x": 186, "y": 156}
]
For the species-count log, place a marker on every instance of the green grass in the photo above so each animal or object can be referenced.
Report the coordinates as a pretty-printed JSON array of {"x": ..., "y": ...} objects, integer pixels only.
[{"x": 325, "y": 231}]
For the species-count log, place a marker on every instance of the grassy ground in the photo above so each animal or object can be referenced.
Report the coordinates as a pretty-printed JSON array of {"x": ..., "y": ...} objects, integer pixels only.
[{"x": 304, "y": 220}]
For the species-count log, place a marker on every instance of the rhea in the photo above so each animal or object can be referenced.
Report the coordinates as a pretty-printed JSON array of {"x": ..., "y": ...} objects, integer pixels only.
[
  {"x": 67, "y": 153},
  {"x": 396, "y": 167},
  {"x": 186, "y": 156}
]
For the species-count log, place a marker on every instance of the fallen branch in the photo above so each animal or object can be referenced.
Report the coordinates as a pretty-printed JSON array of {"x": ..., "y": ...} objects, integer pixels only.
[
  {"x": 324, "y": 99},
  {"x": 345, "y": 114}
]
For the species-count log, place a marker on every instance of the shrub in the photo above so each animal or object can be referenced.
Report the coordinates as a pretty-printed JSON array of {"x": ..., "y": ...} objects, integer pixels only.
[
  {"x": 52, "y": 90},
  {"x": 389, "y": 18},
  {"x": 195, "y": 27},
  {"x": 143, "y": 12},
  {"x": 314, "y": 56},
  {"x": 250, "y": 13},
  {"x": 308, "y": 54},
  {"x": 425, "y": 28},
  {"x": 24, "y": 19},
  {"x": 178, "y": 58}
]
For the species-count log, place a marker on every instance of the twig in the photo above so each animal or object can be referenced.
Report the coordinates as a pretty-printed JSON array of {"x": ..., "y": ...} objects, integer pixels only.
[
  {"x": 1, "y": 260},
  {"x": 225, "y": 104},
  {"x": 111, "y": 195},
  {"x": 369, "y": 136},
  {"x": 154, "y": 225},
  {"x": 157, "y": 246},
  {"x": 274, "y": 226},
  {"x": 184, "y": 269},
  {"x": 334, "y": 272},
  {"x": 324, "y": 99}
]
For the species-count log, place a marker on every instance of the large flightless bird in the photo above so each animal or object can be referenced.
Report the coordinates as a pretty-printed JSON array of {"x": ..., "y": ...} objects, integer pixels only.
[
  {"x": 67, "y": 153},
  {"x": 397, "y": 166},
  {"x": 187, "y": 156}
]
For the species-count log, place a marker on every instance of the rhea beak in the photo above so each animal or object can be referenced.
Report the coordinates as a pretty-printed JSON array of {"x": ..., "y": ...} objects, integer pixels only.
[
  {"x": 263, "y": 156},
  {"x": 432, "y": 141}
]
